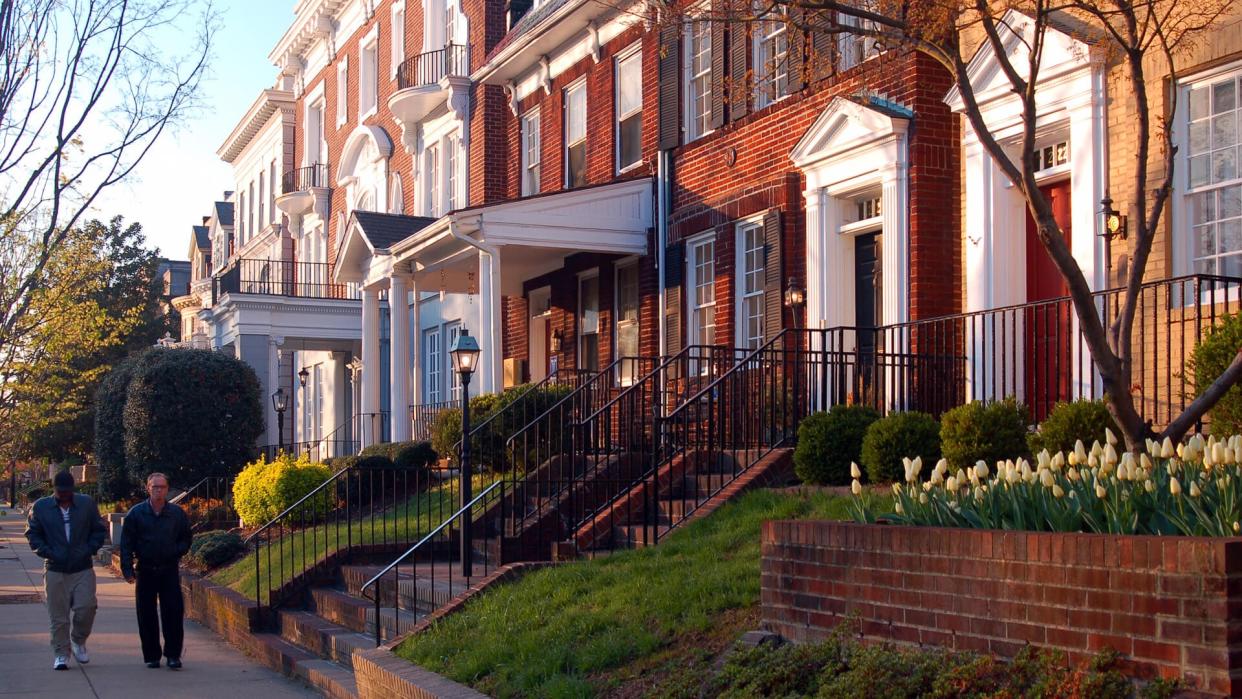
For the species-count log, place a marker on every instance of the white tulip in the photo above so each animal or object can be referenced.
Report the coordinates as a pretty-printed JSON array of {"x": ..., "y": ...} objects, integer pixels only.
[
  {"x": 942, "y": 467},
  {"x": 1175, "y": 486},
  {"x": 856, "y": 487},
  {"x": 855, "y": 472},
  {"x": 981, "y": 469},
  {"x": 1072, "y": 474},
  {"x": 1166, "y": 449},
  {"x": 1100, "y": 492},
  {"x": 1110, "y": 455},
  {"x": 922, "y": 498},
  {"x": 1149, "y": 485},
  {"x": 1194, "y": 490},
  {"x": 1108, "y": 435},
  {"x": 1057, "y": 492},
  {"x": 1058, "y": 461},
  {"x": 1046, "y": 479},
  {"x": 898, "y": 508},
  {"x": 951, "y": 484}
]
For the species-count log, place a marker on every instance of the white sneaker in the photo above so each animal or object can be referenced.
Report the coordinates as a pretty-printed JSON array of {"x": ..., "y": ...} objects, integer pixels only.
[
  {"x": 79, "y": 652},
  {"x": 60, "y": 663}
]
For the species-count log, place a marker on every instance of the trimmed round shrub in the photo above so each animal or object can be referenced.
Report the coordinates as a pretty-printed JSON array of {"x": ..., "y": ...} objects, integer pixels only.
[
  {"x": 115, "y": 482},
  {"x": 988, "y": 432},
  {"x": 263, "y": 490},
  {"x": 898, "y": 436},
  {"x": 215, "y": 548},
  {"x": 1209, "y": 360},
  {"x": 191, "y": 414},
  {"x": 374, "y": 462},
  {"x": 414, "y": 456},
  {"x": 828, "y": 442},
  {"x": 446, "y": 429},
  {"x": 1069, "y": 422}
]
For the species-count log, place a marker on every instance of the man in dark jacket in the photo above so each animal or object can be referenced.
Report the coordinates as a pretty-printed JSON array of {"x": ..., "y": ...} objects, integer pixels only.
[
  {"x": 157, "y": 533},
  {"x": 65, "y": 530}
]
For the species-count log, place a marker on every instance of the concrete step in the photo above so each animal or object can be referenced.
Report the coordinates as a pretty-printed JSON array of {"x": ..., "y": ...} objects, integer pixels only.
[
  {"x": 423, "y": 594},
  {"x": 322, "y": 637},
  {"x": 355, "y": 614},
  {"x": 692, "y": 486},
  {"x": 295, "y": 661},
  {"x": 636, "y": 535}
]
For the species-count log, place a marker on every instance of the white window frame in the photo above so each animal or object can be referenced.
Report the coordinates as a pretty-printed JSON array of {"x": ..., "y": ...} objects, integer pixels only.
[
  {"x": 433, "y": 360},
  {"x": 320, "y": 406},
  {"x": 314, "y": 141},
  {"x": 452, "y": 175},
  {"x": 262, "y": 213},
  {"x": 451, "y": 331},
  {"x": 766, "y": 30},
  {"x": 693, "y": 307},
  {"x": 855, "y": 49},
  {"x": 342, "y": 92},
  {"x": 397, "y": 43},
  {"x": 625, "y": 56},
  {"x": 741, "y": 322},
  {"x": 1185, "y": 256},
  {"x": 626, "y": 371},
  {"x": 396, "y": 195},
  {"x": 531, "y": 145},
  {"x": 588, "y": 275},
  {"x": 273, "y": 217},
  {"x": 692, "y": 128},
  {"x": 579, "y": 84},
  {"x": 368, "y": 74},
  {"x": 431, "y": 179}
]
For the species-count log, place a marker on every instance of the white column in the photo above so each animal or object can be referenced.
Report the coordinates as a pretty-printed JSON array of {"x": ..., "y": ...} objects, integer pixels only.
[
  {"x": 490, "y": 366},
  {"x": 399, "y": 359},
  {"x": 895, "y": 241},
  {"x": 1088, "y": 144},
  {"x": 416, "y": 345},
  {"x": 368, "y": 430}
]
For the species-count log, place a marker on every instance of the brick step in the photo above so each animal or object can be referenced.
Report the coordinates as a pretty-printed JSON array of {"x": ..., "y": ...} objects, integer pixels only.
[
  {"x": 290, "y": 659},
  {"x": 356, "y": 614},
  {"x": 322, "y": 637},
  {"x": 636, "y": 535},
  {"x": 422, "y": 594},
  {"x": 697, "y": 486}
]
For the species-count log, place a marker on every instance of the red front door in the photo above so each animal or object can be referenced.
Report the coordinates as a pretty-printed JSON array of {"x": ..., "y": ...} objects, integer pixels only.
[{"x": 1048, "y": 324}]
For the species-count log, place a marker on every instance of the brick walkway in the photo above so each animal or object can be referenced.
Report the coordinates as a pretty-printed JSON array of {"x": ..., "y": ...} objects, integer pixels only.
[{"x": 213, "y": 668}]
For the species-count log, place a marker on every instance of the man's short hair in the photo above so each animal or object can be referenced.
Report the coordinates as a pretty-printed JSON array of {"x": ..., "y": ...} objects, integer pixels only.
[
  {"x": 154, "y": 475},
  {"x": 63, "y": 480}
]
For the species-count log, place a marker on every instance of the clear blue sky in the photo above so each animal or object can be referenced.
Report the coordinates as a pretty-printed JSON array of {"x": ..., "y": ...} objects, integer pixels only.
[{"x": 175, "y": 185}]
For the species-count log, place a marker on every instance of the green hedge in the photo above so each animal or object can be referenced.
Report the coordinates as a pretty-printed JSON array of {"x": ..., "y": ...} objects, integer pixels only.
[
  {"x": 987, "y": 432},
  {"x": 1208, "y": 361},
  {"x": 115, "y": 482},
  {"x": 1067, "y": 423},
  {"x": 828, "y": 442},
  {"x": 265, "y": 489},
  {"x": 215, "y": 548},
  {"x": 896, "y": 437},
  {"x": 488, "y": 447}
]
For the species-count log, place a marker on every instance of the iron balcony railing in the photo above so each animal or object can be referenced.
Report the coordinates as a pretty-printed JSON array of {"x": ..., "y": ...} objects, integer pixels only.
[
  {"x": 303, "y": 178},
  {"x": 310, "y": 280},
  {"x": 430, "y": 67}
]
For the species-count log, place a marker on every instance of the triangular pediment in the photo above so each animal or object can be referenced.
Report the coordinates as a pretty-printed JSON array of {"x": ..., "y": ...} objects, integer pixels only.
[
  {"x": 353, "y": 253},
  {"x": 846, "y": 125},
  {"x": 1066, "y": 48}
]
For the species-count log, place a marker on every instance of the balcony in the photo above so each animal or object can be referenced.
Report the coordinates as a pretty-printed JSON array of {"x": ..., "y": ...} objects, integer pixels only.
[
  {"x": 306, "y": 280},
  {"x": 301, "y": 188},
  {"x": 428, "y": 80}
]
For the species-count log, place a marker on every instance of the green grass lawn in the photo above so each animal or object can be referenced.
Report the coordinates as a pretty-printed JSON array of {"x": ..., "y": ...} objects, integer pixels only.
[
  {"x": 571, "y": 630},
  {"x": 296, "y": 551}
]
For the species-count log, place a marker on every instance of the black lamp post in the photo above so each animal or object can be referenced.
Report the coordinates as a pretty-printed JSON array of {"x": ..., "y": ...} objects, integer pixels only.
[
  {"x": 465, "y": 354},
  {"x": 280, "y": 403}
]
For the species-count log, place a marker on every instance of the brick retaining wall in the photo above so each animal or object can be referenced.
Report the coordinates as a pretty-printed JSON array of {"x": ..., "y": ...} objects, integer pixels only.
[{"x": 1172, "y": 605}]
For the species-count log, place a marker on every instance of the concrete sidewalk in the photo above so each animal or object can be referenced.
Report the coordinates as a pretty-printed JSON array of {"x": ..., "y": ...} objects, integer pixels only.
[{"x": 213, "y": 668}]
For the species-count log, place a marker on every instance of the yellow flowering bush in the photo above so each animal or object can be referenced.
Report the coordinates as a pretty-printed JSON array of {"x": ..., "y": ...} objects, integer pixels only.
[
  {"x": 265, "y": 489},
  {"x": 1190, "y": 489}
]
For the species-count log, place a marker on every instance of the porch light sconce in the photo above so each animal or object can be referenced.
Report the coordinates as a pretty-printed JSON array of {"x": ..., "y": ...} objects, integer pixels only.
[
  {"x": 555, "y": 344},
  {"x": 303, "y": 375},
  {"x": 1115, "y": 224},
  {"x": 795, "y": 295}
]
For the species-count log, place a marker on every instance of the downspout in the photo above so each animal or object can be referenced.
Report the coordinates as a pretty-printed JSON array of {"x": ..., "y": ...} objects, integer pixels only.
[
  {"x": 663, "y": 183},
  {"x": 492, "y": 314}
]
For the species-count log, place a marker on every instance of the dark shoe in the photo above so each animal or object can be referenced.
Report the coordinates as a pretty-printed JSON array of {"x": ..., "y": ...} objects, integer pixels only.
[
  {"x": 154, "y": 664},
  {"x": 174, "y": 663}
]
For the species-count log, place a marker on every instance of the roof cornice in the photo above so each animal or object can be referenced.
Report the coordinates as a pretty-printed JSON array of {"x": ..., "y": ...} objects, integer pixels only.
[
  {"x": 268, "y": 102},
  {"x": 313, "y": 18}
]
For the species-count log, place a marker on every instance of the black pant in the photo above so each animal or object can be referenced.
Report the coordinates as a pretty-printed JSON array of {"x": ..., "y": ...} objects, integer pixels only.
[{"x": 164, "y": 583}]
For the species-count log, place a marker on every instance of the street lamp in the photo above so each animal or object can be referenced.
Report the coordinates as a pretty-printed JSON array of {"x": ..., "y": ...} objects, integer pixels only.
[
  {"x": 465, "y": 354},
  {"x": 280, "y": 403}
]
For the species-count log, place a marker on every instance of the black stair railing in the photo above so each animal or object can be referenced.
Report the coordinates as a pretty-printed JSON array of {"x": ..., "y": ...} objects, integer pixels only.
[
  {"x": 423, "y": 417},
  {"x": 432, "y": 571},
  {"x": 208, "y": 504}
]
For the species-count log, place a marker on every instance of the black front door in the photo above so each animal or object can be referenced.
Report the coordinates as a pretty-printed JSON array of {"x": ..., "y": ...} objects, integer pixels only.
[{"x": 867, "y": 311}]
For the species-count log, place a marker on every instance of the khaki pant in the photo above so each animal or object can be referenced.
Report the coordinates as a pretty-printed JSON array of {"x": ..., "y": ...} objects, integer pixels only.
[{"x": 70, "y": 592}]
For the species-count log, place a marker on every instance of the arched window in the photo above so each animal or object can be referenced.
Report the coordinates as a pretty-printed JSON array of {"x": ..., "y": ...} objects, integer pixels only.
[{"x": 396, "y": 195}]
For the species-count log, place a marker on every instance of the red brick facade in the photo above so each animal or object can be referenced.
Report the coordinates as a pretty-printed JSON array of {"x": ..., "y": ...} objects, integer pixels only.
[{"x": 1172, "y": 605}]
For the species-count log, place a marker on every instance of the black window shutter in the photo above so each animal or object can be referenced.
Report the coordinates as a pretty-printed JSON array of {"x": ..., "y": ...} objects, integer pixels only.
[
  {"x": 773, "y": 274},
  {"x": 674, "y": 270},
  {"x": 739, "y": 71},
  {"x": 670, "y": 87},
  {"x": 797, "y": 47},
  {"x": 719, "y": 49}
]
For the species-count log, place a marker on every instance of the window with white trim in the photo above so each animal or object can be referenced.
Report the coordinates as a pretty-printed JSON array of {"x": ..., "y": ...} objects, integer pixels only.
[
  {"x": 397, "y": 44},
  {"x": 451, "y": 22},
  {"x": 452, "y": 185},
  {"x": 629, "y": 109},
  {"x": 701, "y": 275},
  {"x": 575, "y": 134},
  {"x": 771, "y": 60},
  {"x": 320, "y": 405},
  {"x": 451, "y": 332},
  {"x": 271, "y": 193},
  {"x": 432, "y": 361},
  {"x": 368, "y": 77},
  {"x": 750, "y": 299},
  {"x": 396, "y": 195},
  {"x": 531, "y": 154},
  {"x": 855, "y": 48},
  {"x": 627, "y": 305},
  {"x": 342, "y": 91},
  {"x": 588, "y": 321},
  {"x": 698, "y": 67},
  {"x": 262, "y": 198},
  {"x": 316, "y": 145},
  {"x": 1213, "y": 198},
  {"x": 431, "y": 179}
]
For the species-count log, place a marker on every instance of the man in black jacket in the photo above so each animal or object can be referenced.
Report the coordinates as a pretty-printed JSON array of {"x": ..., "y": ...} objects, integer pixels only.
[
  {"x": 157, "y": 533},
  {"x": 65, "y": 530}
]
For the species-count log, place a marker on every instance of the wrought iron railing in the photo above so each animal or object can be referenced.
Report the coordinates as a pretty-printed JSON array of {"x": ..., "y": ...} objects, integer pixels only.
[
  {"x": 311, "y": 280},
  {"x": 430, "y": 67},
  {"x": 436, "y": 568},
  {"x": 209, "y": 504},
  {"x": 303, "y": 178},
  {"x": 423, "y": 416}
]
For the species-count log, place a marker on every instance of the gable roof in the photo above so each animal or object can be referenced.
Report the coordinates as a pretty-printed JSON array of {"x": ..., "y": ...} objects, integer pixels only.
[
  {"x": 382, "y": 230},
  {"x": 224, "y": 213},
  {"x": 202, "y": 237}
]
